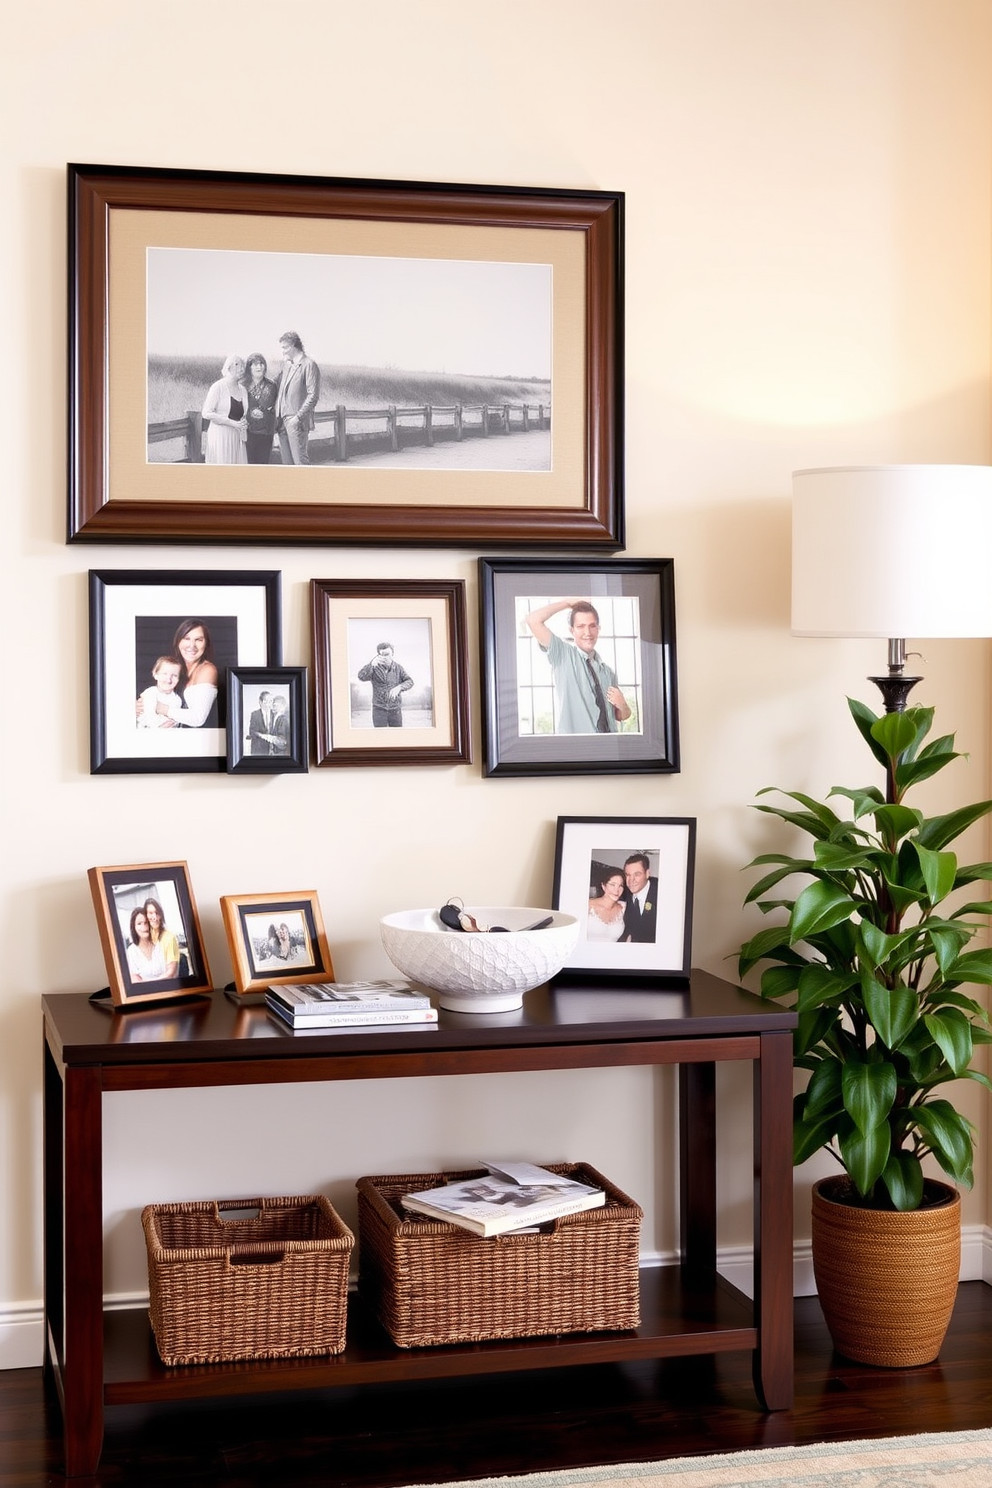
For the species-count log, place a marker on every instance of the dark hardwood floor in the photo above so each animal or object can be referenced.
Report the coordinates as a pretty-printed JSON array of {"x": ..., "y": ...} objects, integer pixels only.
[{"x": 388, "y": 1436}]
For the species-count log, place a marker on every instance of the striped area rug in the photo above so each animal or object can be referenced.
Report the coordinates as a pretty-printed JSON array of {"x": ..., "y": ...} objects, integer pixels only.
[{"x": 955, "y": 1459}]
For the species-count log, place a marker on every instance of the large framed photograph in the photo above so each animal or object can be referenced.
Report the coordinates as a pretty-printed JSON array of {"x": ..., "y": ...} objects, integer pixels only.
[
  {"x": 390, "y": 672},
  {"x": 161, "y": 644},
  {"x": 150, "y": 932},
  {"x": 295, "y": 359},
  {"x": 267, "y": 721},
  {"x": 579, "y": 666},
  {"x": 276, "y": 938},
  {"x": 629, "y": 882}
]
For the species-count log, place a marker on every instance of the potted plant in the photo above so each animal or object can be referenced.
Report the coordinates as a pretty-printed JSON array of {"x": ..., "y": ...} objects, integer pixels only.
[{"x": 875, "y": 961}]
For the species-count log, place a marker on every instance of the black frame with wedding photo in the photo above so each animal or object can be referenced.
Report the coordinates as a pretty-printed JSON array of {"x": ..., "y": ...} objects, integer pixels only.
[
  {"x": 250, "y": 749},
  {"x": 642, "y": 866}
]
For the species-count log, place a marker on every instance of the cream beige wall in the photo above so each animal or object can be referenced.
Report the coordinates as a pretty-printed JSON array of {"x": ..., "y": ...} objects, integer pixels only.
[{"x": 808, "y": 250}]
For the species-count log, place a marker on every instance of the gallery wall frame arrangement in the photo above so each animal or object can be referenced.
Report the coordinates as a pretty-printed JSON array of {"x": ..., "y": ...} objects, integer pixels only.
[
  {"x": 267, "y": 725},
  {"x": 579, "y": 666},
  {"x": 161, "y": 643},
  {"x": 276, "y": 938},
  {"x": 390, "y": 662},
  {"x": 629, "y": 882},
  {"x": 517, "y": 441},
  {"x": 150, "y": 932}
]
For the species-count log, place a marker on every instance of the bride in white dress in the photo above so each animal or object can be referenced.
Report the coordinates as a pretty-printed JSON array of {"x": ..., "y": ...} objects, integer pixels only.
[{"x": 605, "y": 920}]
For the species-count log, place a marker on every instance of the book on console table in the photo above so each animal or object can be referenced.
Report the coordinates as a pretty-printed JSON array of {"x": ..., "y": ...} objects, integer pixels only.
[
  {"x": 355, "y": 1017},
  {"x": 323, "y": 999},
  {"x": 511, "y": 1196}
]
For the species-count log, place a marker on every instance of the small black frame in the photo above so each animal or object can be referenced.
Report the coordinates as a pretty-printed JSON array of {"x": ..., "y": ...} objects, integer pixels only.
[{"x": 250, "y": 749}]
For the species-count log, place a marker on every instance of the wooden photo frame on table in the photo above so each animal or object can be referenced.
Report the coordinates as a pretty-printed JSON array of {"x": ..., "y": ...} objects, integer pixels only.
[
  {"x": 516, "y": 292},
  {"x": 142, "y": 621},
  {"x": 579, "y": 666},
  {"x": 390, "y": 672},
  {"x": 629, "y": 882},
  {"x": 148, "y": 962},
  {"x": 276, "y": 938}
]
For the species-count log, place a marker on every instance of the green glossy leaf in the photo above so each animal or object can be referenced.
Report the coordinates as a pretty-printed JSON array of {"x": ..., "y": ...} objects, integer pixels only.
[
  {"x": 972, "y": 966},
  {"x": 808, "y": 1138},
  {"x": 898, "y": 733},
  {"x": 866, "y": 720},
  {"x": 865, "y": 1155},
  {"x": 869, "y": 1090},
  {"x": 903, "y": 1178},
  {"x": 911, "y": 772},
  {"x": 824, "y": 1095},
  {"x": 892, "y": 1010},
  {"x": 937, "y": 831},
  {"x": 877, "y": 948},
  {"x": 972, "y": 873},
  {"x": 951, "y": 1032},
  {"x": 865, "y": 799},
  {"x": 819, "y": 906},
  {"x": 947, "y": 943},
  {"x": 841, "y": 857},
  {"x": 939, "y": 871},
  {"x": 804, "y": 820},
  {"x": 768, "y": 882},
  {"x": 895, "y": 822},
  {"x": 819, "y": 985},
  {"x": 812, "y": 1030},
  {"x": 773, "y": 942},
  {"x": 779, "y": 981},
  {"x": 818, "y": 809},
  {"x": 949, "y": 1136}
]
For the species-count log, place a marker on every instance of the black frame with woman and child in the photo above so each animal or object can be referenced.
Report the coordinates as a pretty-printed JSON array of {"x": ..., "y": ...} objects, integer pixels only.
[
  {"x": 150, "y": 932},
  {"x": 161, "y": 645},
  {"x": 629, "y": 882}
]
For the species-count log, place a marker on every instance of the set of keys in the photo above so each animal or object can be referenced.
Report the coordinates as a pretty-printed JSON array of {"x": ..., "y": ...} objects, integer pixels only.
[{"x": 454, "y": 916}]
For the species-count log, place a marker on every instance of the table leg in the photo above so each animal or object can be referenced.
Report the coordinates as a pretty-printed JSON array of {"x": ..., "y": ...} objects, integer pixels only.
[
  {"x": 697, "y": 1168},
  {"x": 773, "y": 1289},
  {"x": 82, "y": 1372}
]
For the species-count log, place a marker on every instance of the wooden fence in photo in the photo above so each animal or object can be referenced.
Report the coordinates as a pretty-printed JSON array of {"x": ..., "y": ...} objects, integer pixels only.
[{"x": 349, "y": 432}]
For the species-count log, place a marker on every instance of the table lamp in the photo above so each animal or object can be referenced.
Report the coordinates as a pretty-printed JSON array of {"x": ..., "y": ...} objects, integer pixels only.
[{"x": 893, "y": 551}]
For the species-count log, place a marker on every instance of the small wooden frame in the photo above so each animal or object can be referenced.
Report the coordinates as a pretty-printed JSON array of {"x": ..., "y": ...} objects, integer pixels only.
[
  {"x": 139, "y": 958},
  {"x": 276, "y": 938}
]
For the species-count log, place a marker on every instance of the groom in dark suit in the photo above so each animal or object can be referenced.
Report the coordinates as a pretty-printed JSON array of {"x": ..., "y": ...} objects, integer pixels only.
[
  {"x": 640, "y": 915},
  {"x": 296, "y": 399}
]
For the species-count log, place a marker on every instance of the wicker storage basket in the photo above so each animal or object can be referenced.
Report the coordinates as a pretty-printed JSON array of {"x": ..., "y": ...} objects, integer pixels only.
[
  {"x": 430, "y": 1282},
  {"x": 267, "y": 1286}
]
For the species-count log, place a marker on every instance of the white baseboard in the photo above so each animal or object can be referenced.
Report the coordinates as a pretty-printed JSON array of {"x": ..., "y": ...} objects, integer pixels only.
[{"x": 21, "y": 1326}]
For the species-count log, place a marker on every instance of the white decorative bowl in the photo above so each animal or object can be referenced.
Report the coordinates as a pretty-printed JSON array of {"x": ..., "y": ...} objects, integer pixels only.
[{"x": 479, "y": 973}]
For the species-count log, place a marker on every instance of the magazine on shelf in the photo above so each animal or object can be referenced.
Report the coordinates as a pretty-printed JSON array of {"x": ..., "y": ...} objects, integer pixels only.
[
  {"x": 358, "y": 1017},
  {"x": 495, "y": 1204},
  {"x": 319, "y": 999}
]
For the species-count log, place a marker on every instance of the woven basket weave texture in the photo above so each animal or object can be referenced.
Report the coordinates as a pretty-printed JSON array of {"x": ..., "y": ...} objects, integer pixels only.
[
  {"x": 430, "y": 1282},
  {"x": 272, "y": 1285},
  {"x": 887, "y": 1281}
]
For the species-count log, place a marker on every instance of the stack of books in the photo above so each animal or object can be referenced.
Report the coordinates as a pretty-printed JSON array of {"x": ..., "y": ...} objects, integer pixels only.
[
  {"x": 333, "y": 1005},
  {"x": 510, "y": 1197}
]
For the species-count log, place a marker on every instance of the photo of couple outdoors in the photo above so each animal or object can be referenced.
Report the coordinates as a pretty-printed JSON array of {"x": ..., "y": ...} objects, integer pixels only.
[
  {"x": 280, "y": 942},
  {"x": 579, "y": 666},
  {"x": 152, "y": 929},
  {"x": 623, "y": 899},
  {"x": 273, "y": 358},
  {"x": 179, "y": 670}
]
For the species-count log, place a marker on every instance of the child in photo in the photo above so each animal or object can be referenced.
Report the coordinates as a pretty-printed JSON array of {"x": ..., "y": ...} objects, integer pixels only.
[{"x": 166, "y": 672}]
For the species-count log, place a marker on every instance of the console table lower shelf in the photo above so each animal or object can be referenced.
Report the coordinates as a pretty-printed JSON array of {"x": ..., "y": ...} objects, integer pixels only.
[{"x": 678, "y": 1317}]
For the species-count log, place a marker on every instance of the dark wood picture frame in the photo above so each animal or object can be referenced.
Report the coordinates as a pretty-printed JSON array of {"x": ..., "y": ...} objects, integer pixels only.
[
  {"x": 131, "y": 886},
  {"x": 286, "y": 750},
  {"x": 350, "y": 619},
  {"x": 133, "y": 615},
  {"x": 306, "y": 960},
  {"x": 524, "y": 728},
  {"x": 117, "y": 495},
  {"x": 655, "y": 939}
]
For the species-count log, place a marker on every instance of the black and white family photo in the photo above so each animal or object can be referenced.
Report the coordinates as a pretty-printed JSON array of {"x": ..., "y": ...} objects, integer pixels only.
[
  {"x": 313, "y": 358},
  {"x": 180, "y": 665},
  {"x": 279, "y": 941},
  {"x": 267, "y": 720}
]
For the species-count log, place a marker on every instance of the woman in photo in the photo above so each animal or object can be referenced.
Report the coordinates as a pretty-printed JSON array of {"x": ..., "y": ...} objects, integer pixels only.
[
  {"x": 198, "y": 682},
  {"x": 163, "y": 938},
  {"x": 226, "y": 406},
  {"x": 261, "y": 392},
  {"x": 144, "y": 958},
  {"x": 605, "y": 921}
]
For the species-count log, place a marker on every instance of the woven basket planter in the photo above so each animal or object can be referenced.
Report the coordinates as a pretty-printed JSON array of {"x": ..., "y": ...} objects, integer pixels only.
[
  {"x": 886, "y": 1280},
  {"x": 270, "y": 1285}
]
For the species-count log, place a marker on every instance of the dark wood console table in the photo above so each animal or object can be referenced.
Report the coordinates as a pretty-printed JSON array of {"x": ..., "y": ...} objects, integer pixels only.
[{"x": 97, "y": 1360}]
